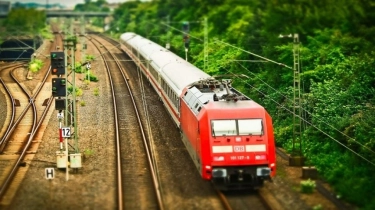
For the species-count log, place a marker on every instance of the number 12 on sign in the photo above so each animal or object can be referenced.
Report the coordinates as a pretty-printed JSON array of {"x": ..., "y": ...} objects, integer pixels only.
[{"x": 65, "y": 132}]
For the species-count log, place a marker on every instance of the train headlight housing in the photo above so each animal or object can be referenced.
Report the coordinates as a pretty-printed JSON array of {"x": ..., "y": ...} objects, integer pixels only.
[
  {"x": 263, "y": 171},
  {"x": 218, "y": 158},
  {"x": 219, "y": 172},
  {"x": 260, "y": 157}
]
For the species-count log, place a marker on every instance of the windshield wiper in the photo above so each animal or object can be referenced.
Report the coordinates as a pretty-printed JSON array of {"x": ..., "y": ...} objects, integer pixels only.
[{"x": 213, "y": 131}]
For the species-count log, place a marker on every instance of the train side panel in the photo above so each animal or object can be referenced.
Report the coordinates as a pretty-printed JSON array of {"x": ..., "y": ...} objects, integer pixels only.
[
  {"x": 189, "y": 125},
  {"x": 271, "y": 145},
  {"x": 151, "y": 71}
]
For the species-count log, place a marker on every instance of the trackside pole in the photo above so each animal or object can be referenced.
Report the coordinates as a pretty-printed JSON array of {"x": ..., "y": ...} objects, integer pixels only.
[
  {"x": 62, "y": 156},
  {"x": 66, "y": 156},
  {"x": 61, "y": 138}
]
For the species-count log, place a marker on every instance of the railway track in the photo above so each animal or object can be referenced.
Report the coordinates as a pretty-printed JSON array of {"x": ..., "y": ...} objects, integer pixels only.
[
  {"x": 20, "y": 142},
  {"x": 11, "y": 103},
  {"x": 136, "y": 172},
  {"x": 241, "y": 200}
]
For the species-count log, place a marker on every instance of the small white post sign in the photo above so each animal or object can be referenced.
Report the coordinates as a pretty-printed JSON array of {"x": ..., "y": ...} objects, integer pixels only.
[
  {"x": 50, "y": 173},
  {"x": 60, "y": 116},
  {"x": 66, "y": 132}
]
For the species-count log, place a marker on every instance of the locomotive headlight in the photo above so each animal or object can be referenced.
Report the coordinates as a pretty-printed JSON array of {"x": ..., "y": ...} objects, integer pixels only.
[
  {"x": 218, "y": 158},
  {"x": 219, "y": 172},
  {"x": 208, "y": 172},
  {"x": 260, "y": 157},
  {"x": 263, "y": 171}
]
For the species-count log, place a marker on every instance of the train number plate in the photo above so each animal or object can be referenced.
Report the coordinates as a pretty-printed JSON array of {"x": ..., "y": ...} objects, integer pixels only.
[{"x": 240, "y": 157}]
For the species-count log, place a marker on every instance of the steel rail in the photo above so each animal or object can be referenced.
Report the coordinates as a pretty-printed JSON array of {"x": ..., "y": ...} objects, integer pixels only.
[
  {"x": 12, "y": 99},
  {"x": 13, "y": 171},
  {"x": 36, "y": 125},
  {"x": 150, "y": 158},
  {"x": 120, "y": 204}
]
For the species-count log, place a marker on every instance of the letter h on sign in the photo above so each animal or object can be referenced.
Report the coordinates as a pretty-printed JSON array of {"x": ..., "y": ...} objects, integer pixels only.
[{"x": 50, "y": 173}]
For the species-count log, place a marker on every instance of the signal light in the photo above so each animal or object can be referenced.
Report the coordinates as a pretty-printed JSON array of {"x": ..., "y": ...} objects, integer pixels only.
[
  {"x": 58, "y": 63},
  {"x": 185, "y": 28},
  {"x": 58, "y": 87},
  {"x": 60, "y": 104}
]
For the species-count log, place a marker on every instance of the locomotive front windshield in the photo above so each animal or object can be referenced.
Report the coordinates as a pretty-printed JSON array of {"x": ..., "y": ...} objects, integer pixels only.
[{"x": 240, "y": 127}]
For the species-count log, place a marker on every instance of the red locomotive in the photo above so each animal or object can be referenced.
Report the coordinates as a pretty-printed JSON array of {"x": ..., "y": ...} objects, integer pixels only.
[{"x": 228, "y": 136}]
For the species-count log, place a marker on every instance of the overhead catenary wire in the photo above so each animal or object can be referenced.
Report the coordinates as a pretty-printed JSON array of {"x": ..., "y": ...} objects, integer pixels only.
[
  {"x": 282, "y": 106},
  {"x": 176, "y": 29},
  {"x": 256, "y": 55},
  {"x": 103, "y": 53},
  {"x": 148, "y": 125},
  {"x": 326, "y": 123},
  {"x": 304, "y": 120},
  {"x": 19, "y": 56},
  {"x": 364, "y": 146},
  {"x": 28, "y": 47}
]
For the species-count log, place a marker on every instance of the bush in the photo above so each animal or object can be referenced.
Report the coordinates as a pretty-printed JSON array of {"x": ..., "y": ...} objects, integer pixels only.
[
  {"x": 46, "y": 33},
  {"x": 90, "y": 57},
  {"x": 308, "y": 186},
  {"x": 93, "y": 78},
  {"x": 79, "y": 91},
  {"x": 318, "y": 207},
  {"x": 88, "y": 152},
  {"x": 96, "y": 91},
  {"x": 78, "y": 67},
  {"x": 35, "y": 65},
  {"x": 86, "y": 82}
]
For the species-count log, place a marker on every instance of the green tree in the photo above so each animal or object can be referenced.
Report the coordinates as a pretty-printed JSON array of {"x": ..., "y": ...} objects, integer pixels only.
[
  {"x": 25, "y": 20},
  {"x": 93, "y": 6}
]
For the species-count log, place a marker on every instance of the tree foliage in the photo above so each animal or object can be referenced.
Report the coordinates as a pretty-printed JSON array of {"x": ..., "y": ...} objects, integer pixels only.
[
  {"x": 93, "y": 6},
  {"x": 25, "y": 20}
]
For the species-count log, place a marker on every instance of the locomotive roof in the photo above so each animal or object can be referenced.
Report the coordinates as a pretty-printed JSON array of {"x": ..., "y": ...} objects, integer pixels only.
[
  {"x": 240, "y": 109},
  {"x": 246, "y": 104}
]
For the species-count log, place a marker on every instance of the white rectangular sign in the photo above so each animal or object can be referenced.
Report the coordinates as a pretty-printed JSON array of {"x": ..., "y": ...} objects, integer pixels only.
[
  {"x": 50, "y": 173},
  {"x": 60, "y": 115},
  {"x": 65, "y": 132}
]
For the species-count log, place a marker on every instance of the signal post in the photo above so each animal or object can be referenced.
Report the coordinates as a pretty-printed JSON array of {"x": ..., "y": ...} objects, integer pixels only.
[{"x": 65, "y": 100}]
